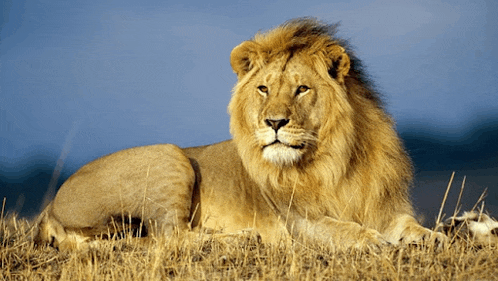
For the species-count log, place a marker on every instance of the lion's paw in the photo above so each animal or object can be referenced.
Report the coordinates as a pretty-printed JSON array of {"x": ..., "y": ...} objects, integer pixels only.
[
  {"x": 371, "y": 239},
  {"x": 425, "y": 236}
]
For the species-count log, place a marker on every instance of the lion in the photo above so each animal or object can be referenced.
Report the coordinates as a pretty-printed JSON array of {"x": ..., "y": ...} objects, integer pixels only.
[{"x": 314, "y": 157}]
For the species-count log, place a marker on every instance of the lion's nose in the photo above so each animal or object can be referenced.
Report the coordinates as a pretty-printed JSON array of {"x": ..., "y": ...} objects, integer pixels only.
[{"x": 276, "y": 123}]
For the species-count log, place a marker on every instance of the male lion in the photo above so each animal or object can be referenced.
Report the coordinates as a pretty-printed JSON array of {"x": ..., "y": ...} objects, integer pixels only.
[{"x": 313, "y": 157}]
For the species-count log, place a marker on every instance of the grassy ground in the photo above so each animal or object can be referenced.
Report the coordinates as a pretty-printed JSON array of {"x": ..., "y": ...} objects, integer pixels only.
[{"x": 208, "y": 258}]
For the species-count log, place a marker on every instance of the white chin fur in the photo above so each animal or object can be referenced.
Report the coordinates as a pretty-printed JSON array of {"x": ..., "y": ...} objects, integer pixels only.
[{"x": 281, "y": 155}]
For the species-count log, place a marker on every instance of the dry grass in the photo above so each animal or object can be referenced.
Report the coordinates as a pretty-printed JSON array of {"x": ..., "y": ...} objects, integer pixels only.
[{"x": 208, "y": 258}]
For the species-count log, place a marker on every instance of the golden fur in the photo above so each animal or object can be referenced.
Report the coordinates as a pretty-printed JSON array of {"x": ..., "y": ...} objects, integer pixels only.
[{"x": 313, "y": 156}]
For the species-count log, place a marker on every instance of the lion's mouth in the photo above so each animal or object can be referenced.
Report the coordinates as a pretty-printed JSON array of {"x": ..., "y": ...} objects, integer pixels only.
[{"x": 278, "y": 142}]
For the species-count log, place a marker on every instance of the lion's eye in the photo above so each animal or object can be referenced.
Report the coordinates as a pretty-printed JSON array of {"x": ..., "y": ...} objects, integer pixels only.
[
  {"x": 263, "y": 89},
  {"x": 302, "y": 89}
]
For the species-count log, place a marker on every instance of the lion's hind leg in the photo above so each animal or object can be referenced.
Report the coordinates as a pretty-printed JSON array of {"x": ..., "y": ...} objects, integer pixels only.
[
  {"x": 159, "y": 203},
  {"x": 165, "y": 207},
  {"x": 142, "y": 191}
]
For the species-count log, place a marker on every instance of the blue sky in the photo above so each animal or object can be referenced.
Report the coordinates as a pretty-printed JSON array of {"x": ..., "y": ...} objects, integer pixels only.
[{"x": 87, "y": 78}]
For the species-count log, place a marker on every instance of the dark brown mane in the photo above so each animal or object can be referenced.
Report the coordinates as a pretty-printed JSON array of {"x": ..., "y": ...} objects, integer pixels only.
[{"x": 311, "y": 35}]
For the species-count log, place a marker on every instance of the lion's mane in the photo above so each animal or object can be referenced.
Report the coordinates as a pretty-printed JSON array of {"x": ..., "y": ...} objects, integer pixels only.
[{"x": 358, "y": 169}]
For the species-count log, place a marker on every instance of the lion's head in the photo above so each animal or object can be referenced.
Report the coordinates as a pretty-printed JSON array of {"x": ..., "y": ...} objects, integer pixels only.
[
  {"x": 284, "y": 75},
  {"x": 303, "y": 113}
]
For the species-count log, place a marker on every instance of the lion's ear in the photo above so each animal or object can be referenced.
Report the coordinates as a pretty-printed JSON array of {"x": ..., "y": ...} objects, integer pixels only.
[
  {"x": 243, "y": 57},
  {"x": 340, "y": 62}
]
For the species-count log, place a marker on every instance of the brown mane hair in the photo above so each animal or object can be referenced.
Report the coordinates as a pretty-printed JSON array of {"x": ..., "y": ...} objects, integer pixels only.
[{"x": 359, "y": 162}]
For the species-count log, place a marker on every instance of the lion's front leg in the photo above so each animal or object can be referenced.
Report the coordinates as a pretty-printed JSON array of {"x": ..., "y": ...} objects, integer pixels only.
[
  {"x": 405, "y": 229},
  {"x": 338, "y": 234}
]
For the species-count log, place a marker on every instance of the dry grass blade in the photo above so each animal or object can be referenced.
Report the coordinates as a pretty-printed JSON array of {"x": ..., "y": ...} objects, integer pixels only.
[
  {"x": 444, "y": 199},
  {"x": 1, "y": 217},
  {"x": 457, "y": 206},
  {"x": 483, "y": 195}
]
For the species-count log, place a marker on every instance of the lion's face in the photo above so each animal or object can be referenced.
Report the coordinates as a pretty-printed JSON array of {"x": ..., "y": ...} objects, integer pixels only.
[
  {"x": 284, "y": 113},
  {"x": 281, "y": 107}
]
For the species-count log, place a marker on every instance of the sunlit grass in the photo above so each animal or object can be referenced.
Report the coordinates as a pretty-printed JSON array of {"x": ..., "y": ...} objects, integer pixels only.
[
  {"x": 199, "y": 256},
  {"x": 202, "y": 257}
]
